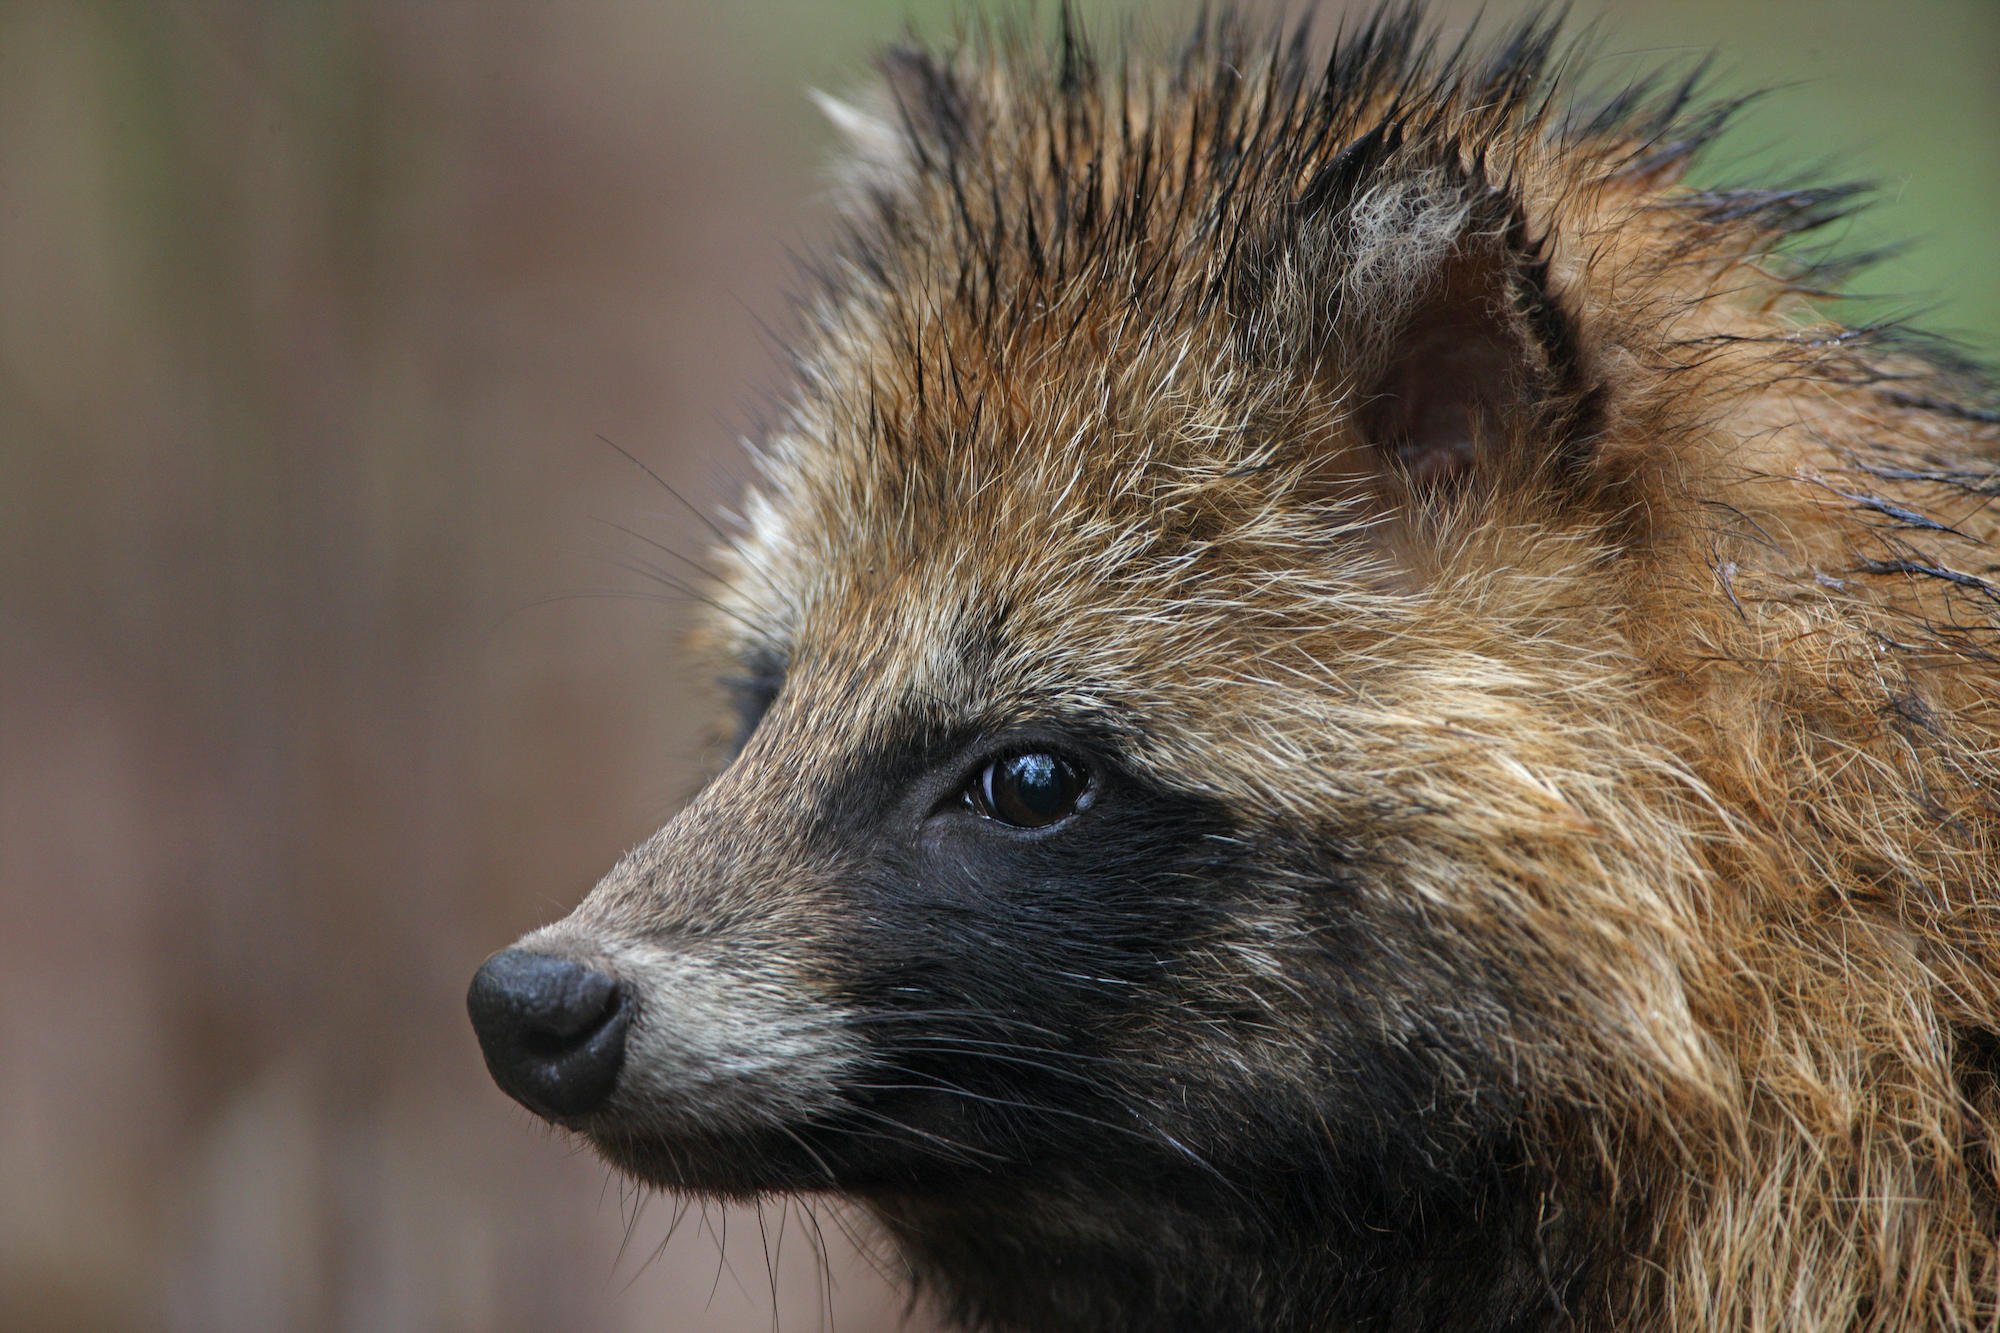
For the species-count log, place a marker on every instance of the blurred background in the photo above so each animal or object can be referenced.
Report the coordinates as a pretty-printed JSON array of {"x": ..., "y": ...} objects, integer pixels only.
[{"x": 327, "y": 665}]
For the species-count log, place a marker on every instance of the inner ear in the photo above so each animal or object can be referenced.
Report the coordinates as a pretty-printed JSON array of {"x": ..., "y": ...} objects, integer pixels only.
[
  {"x": 1461, "y": 375},
  {"x": 1413, "y": 291}
]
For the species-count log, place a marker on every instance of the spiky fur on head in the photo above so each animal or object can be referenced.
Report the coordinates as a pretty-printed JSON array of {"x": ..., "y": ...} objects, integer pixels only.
[{"x": 1545, "y": 677}]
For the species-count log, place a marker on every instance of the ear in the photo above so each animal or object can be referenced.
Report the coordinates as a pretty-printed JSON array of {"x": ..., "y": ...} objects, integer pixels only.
[{"x": 1410, "y": 288}]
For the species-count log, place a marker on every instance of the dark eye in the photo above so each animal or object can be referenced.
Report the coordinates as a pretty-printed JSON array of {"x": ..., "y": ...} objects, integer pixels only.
[{"x": 1029, "y": 790}]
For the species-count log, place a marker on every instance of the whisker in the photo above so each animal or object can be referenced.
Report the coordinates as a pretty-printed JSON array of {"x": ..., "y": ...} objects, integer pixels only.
[
  {"x": 667, "y": 550},
  {"x": 686, "y": 504},
  {"x": 818, "y": 1161},
  {"x": 770, "y": 1259},
  {"x": 1151, "y": 1133},
  {"x": 948, "y": 1043},
  {"x": 638, "y": 1199},
  {"x": 822, "y": 1264},
  {"x": 951, "y": 1148},
  {"x": 681, "y": 586}
]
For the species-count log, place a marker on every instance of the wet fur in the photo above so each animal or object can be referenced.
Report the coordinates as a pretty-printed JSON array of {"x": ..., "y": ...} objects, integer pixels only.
[{"x": 1552, "y": 881}]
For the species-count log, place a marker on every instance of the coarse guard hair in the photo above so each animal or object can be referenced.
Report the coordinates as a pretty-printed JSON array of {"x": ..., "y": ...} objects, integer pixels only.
[{"x": 1352, "y": 715}]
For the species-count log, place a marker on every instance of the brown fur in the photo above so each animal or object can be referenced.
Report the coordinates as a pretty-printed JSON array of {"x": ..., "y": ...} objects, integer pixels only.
[{"x": 1663, "y": 714}]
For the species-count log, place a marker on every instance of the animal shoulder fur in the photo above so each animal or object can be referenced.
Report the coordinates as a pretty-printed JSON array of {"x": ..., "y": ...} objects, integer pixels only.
[{"x": 1527, "y": 687}]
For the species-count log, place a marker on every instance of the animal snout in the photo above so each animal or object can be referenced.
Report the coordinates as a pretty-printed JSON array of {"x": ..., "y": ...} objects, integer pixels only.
[{"x": 552, "y": 1030}]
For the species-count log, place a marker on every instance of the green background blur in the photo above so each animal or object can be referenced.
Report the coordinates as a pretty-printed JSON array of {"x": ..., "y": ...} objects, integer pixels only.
[{"x": 325, "y": 666}]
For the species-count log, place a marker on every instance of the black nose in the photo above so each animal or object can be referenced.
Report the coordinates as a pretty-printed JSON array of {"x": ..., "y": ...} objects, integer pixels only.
[{"x": 553, "y": 1031}]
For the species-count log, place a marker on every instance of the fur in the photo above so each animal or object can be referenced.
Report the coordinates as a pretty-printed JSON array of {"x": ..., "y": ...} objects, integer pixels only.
[{"x": 1538, "y": 679}]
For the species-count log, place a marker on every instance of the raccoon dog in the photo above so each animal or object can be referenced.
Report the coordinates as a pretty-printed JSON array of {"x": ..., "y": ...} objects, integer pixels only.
[{"x": 1352, "y": 716}]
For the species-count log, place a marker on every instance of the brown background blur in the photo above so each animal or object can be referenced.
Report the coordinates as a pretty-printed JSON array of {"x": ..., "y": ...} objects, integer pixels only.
[{"x": 325, "y": 668}]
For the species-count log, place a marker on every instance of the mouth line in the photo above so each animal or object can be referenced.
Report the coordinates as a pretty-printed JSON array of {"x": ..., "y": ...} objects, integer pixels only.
[
  {"x": 856, "y": 1149},
  {"x": 736, "y": 1166}
]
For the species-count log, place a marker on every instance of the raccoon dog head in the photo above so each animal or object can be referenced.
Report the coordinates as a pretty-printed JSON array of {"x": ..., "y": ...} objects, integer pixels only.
[{"x": 1199, "y": 789}]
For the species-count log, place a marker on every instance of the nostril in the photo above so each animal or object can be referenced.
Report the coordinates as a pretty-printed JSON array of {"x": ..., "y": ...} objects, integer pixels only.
[
  {"x": 552, "y": 1030},
  {"x": 550, "y": 1041}
]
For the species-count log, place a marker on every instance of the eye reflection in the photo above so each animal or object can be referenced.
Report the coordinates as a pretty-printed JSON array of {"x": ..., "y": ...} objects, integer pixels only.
[{"x": 1029, "y": 790}]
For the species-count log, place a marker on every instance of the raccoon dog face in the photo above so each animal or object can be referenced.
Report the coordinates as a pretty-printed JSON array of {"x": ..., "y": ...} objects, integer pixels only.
[
  {"x": 1125, "y": 811},
  {"x": 1214, "y": 835}
]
